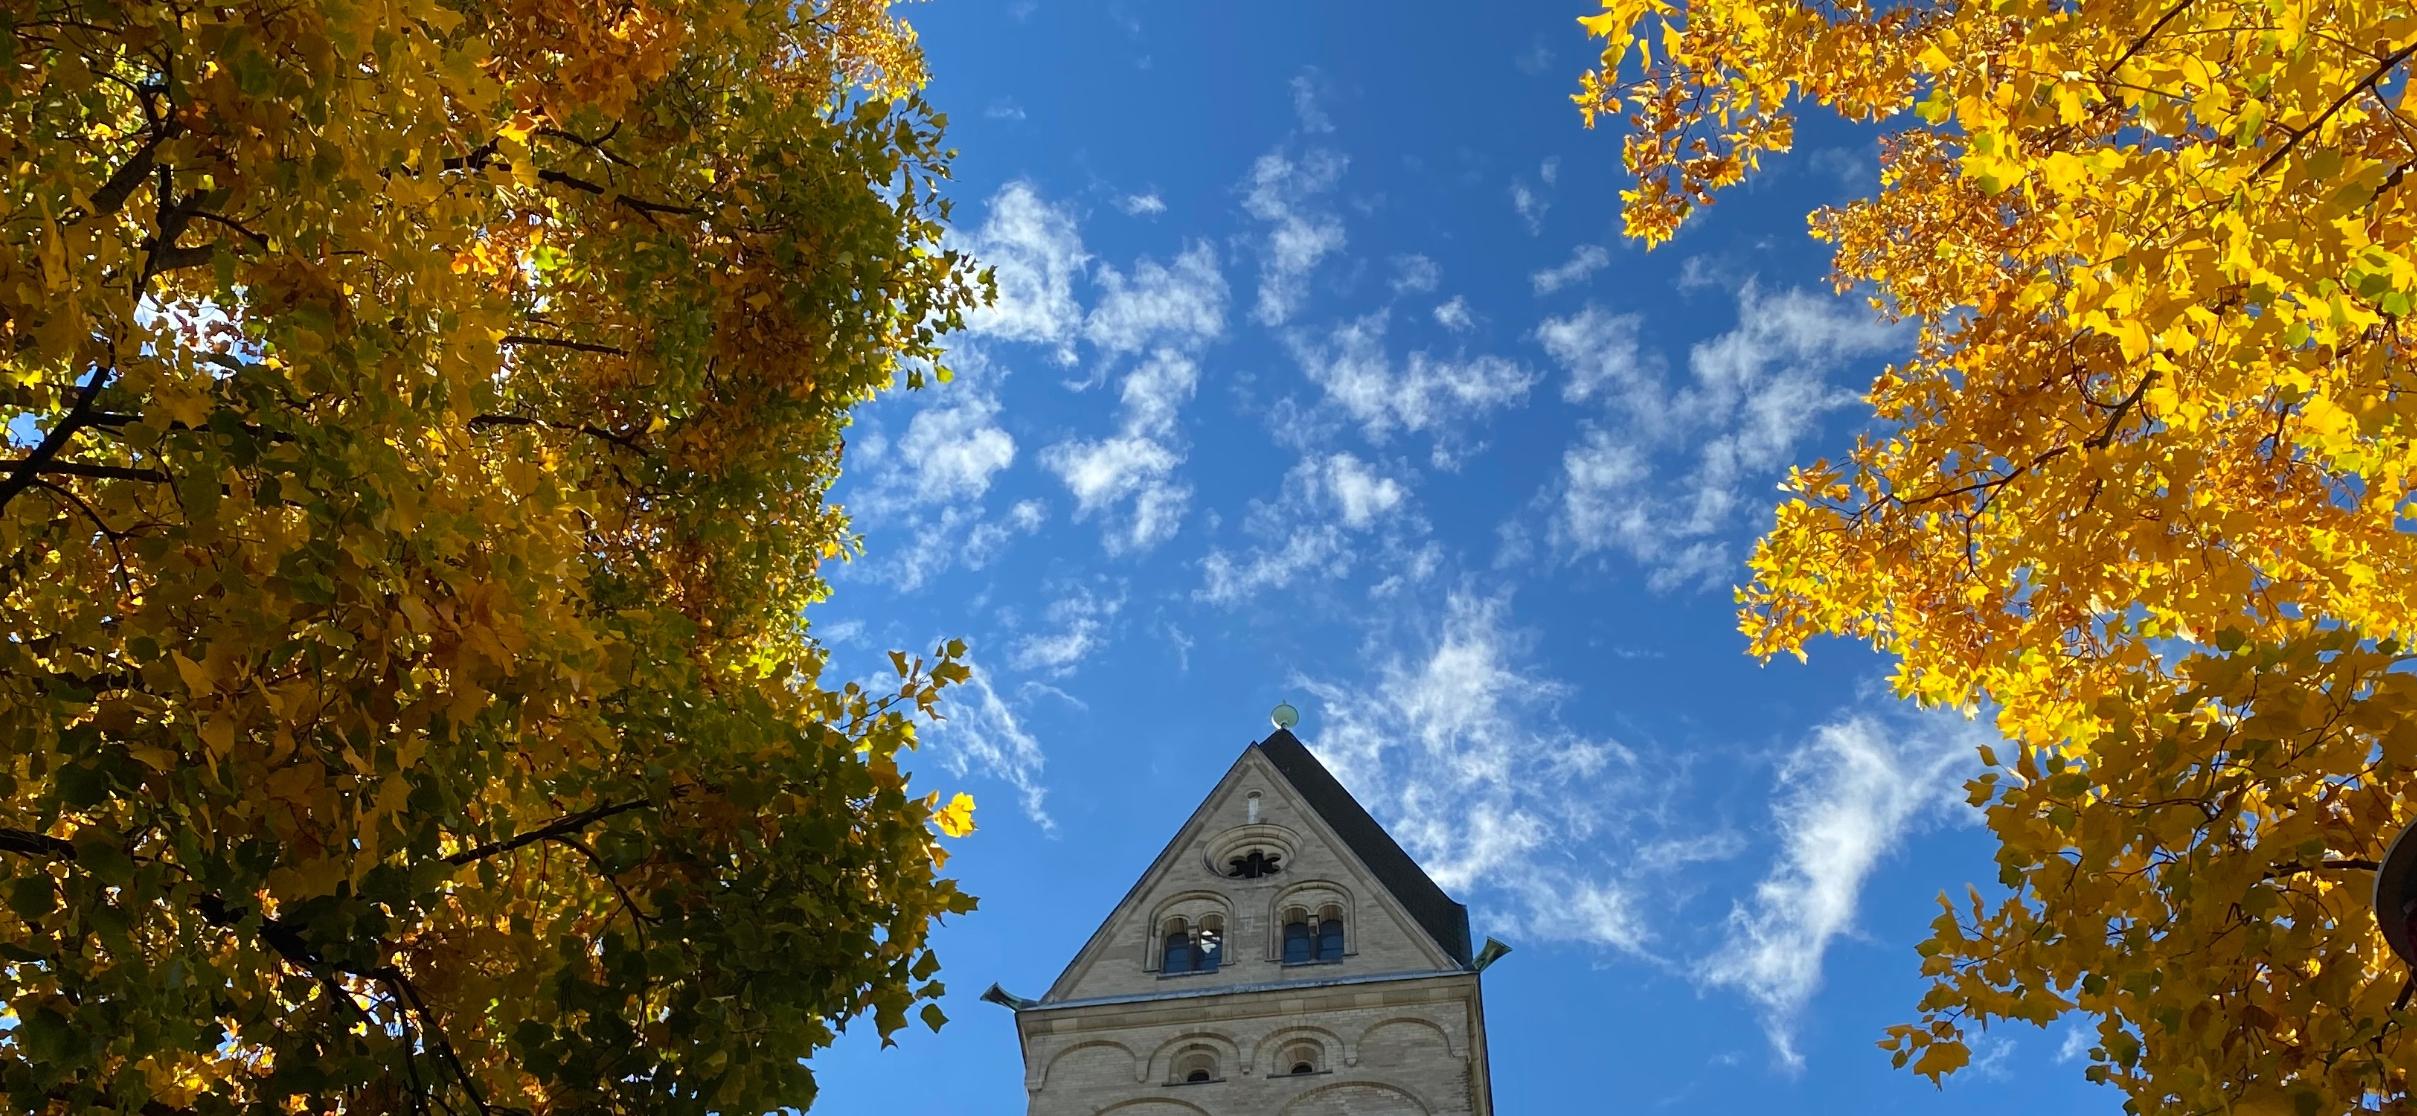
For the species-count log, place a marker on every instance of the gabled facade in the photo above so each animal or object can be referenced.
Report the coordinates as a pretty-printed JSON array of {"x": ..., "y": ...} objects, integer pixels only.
[{"x": 1281, "y": 957}]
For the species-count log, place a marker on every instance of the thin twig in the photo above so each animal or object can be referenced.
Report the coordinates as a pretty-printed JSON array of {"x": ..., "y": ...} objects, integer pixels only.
[
  {"x": 623, "y": 440},
  {"x": 567, "y": 824},
  {"x": 2352, "y": 864},
  {"x": 564, "y": 343},
  {"x": 2377, "y": 74}
]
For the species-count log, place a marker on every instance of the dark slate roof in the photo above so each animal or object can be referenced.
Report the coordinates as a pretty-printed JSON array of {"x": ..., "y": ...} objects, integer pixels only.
[{"x": 1444, "y": 920}]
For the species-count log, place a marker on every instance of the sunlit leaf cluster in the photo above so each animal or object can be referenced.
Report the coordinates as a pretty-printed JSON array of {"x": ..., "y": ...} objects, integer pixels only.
[
  {"x": 2142, "y": 488},
  {"x": 418, "y": 420}
]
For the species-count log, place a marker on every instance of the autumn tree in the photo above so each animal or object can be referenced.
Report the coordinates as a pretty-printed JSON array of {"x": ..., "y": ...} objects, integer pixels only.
[
  {"x": 418, "y": 419},
  {"x": 2141, "y": 489}
]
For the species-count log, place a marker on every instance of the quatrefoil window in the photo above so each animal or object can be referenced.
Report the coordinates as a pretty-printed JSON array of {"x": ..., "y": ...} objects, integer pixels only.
[{"x": 1254, "y": 864}]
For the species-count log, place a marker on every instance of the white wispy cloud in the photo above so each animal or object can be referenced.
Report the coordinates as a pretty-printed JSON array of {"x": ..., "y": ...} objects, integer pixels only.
[
  {"x": 1156, "y": 389},
  {"x": 1158, "y": 313},
  {"x": 1530, "y": 205},
  {"x": 952, "y": 452},
  {"x": 1229, "y": 577},
  {"x": 988, "y": 537},
  {"x": 1128, "y": 479},
  {"x": 1002, "y": 108},
  {"x": 1854, "y": 170},
  {"x": 1733, "y": 423},
  {"x": 1537, "y": 58},
  {"x": 984, "y": 734},
  {"x": 930, "y": 482},
  {"x": 1991, "y": 1054},
  {"x": 1585, "y": 260},
  {"x": 1601, "y": 351},
  {"x": 1456, "y": 745},
  {"x": 1456, "y": 740},
  {"x": 2079, "y": 1038},
  {"x": 1307, "y": 95},
  {"x": 1180, "y": 303},
  {"x": 838, "y": 632},
  {"x": 1608, "y": 501},
  {"x": 1413, "y": 273},
  {"x": 1142, "y": 205},
  {"x": 1454, "y": 315},
  {"x": 1332, "y": 509},
  {"x": 1443, "y": 394},
  {"x": 1698, "y": 272},
  {"x": 1288, "y": 197},
  {"x": 1109, "y": 472},
  {"x": 1078, "y": 627},
  {"x": 1531, "y": 202},
  {"x": 1037, "y": 252},
  {"x": 1361, "y": 494},
  {"x": 1848, "y": 797},
  {"x": 907, "y": 552}
]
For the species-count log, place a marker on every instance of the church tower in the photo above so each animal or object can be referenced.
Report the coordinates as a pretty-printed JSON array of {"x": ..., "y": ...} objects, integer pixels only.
[{"x": 1281, "y": 957}]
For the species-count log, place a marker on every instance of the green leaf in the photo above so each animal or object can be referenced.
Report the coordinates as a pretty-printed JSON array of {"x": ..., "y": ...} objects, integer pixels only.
[{"x": 32, "y": 895}]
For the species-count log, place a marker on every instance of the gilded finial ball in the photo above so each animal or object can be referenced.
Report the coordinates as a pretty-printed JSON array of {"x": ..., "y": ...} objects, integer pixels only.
[{"x": 1285, "y": 716}]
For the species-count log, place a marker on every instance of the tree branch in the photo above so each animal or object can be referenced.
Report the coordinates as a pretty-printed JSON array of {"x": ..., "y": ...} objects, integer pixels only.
[
  {"x": 2382, "y": 68},
  {"x": 2353, "y": 864},
  {"x": 112, "y": 420},
  {"x": 2106, "y": 434},
  {"x": 26, "y": 842},
  {"x": 113, "y": 536},
  {"x": 638, "y": 919},
  {"x": 640, "y": 204},
  {"x": 214, "y": 909},
  {"x": 234, "y": 224},
  {"x": 406, "y": 992},
  {"x": 2145, "y": 36},
  {"x": 32, "y": 467},
  {"x": 560, "y": 827},
  {"x": 54, "y": 440},
  {"x": 176, "y": 257},
  {"x": 596, "y": 145},
  {"x": 623, "y": 440},
  {"x": 112, "y": 195},
  {"x": 289, "y": 943},
  {"x": 564, "y": 343}
]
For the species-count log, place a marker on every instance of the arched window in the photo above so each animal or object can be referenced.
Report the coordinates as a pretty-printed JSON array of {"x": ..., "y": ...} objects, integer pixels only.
[
  {"x": 1186, "y": 948},
  {"x": 1178, "y": 955},
  {"x": 1300, "y": 1058},
  {"x": 1330, "y": 934},
  {"x": 1208, "y": 946},
  {"x": 1195, "y": 1065},
  {"x": 1299, "y": 938}
]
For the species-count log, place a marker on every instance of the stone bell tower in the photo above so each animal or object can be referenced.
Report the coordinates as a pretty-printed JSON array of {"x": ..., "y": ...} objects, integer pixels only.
[{"x": 1281, "y": 957}]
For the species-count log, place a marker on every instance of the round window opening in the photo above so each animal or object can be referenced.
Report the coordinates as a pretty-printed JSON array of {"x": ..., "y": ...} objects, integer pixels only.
[
  {"x": 1303, "y": 1067},
  {"x": 1195, "y": 1077},
  {"x": 1250, "y": 852},
  {"x": 1256, "y": 863}
]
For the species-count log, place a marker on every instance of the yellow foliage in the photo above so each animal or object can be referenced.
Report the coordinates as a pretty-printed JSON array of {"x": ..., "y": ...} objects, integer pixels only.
[
  {"x": 419, "y": 415},
  {"x": 957, "y": 818},
  {"x": 2141, "y": 488}
]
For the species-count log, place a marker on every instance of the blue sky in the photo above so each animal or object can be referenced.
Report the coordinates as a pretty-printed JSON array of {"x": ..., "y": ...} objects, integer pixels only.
[{"x": 1320, "y": 372}]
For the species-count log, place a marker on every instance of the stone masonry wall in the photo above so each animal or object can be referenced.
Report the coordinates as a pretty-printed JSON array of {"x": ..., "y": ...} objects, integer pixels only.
[
  {"x": 1391, "y": 1048},
  {"x": 1376, "y": 940}
]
